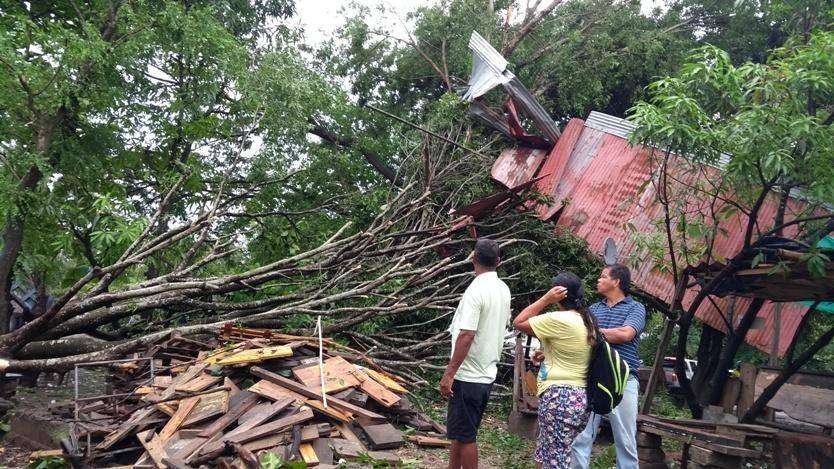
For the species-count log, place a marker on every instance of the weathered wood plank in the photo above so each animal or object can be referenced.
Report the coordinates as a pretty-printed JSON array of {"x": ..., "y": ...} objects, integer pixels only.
[
  {"x": 153, "y": 445},
  {"x": 183, "y": 411},
  {"x": 360, "y": 413},
  {"x": 711, "y": 458},
  {"x": 255, "y": 433},
  {"x": 348, "y": 434},
  {"x": 125, "y": 429},
  {"x": 330, "y": 411},
  {"x": 379, "y": 393},
  {"x": 275, "y": 392},
  {"x": 255, "y": 355},
  {"x": 383, "y": 436},
  {"x": 241, "y": 406},
  {"x": 199, "y": 383},
  {"x": 805, "y": 403},
  {"x": 210, "y": 405},
  {"x": 339, "y": 374},
  {"x": 324, "y": 452},
  {"x": 258, "y": 415},
  {"x": 308, "y": 454},
  {"x": 429, "y": 441}
]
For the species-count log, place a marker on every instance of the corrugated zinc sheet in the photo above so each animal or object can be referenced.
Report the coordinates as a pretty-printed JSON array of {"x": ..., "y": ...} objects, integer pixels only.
[
  {"x": 601, "y": 184},
  {"x": 517, "y": 165}
]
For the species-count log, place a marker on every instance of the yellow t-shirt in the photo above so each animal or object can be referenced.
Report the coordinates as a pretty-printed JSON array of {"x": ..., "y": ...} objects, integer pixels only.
[{"x": 567, "y": 354}]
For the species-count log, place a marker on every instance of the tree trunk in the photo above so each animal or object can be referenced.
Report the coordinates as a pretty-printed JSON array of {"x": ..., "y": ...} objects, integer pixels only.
[
  {"x": 70, "y": 345},
  {"x": 680, "y": 368},
  {"x": 719, "y": 376},
  {"x": 799, "y": 331},
  {"x": 709, "y": 353},
  {"x": 13, "y": 231},
  {"x": 785, "y": 375}
]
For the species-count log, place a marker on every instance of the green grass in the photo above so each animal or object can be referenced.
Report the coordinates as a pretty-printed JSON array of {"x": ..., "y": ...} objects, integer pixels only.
[
  {"x": 513, "y": 451},
  {"x": 604, "y": 460}
]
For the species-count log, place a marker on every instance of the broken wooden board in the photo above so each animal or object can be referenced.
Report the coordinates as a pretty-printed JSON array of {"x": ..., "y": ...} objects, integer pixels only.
[
  {"x": 384, "y": 380},
  {"x": 126, "y": 428},
  {"x": 184, "y": 409},
  {"x": 233, "y": 389},
  {"x": 245, "y": 357},
  {"x": 182, "y": 444},
  {"x": 153, "y": 445},
  {"x": 309, "y": 433},
  {"x": 199, "y": 383},
  {"x": 308, "y": 454},
  {"x": 804, "y": 403},
  {"x": 258, "y": 415},
  {"x": 383, "y": 436},
  {"x": 339, "y": 374},
  {"x": 713, "y": 459},
  {"x": 379, "y": 393},
  {"x": 361, "y": 414},
  {"x": 330, "y": 411},
  {"x": 258, "y": 432},
  {"x": 267, "y": 442},
  {"x": 275, "y": 392},
  {"x": 44, "y": 454},
  {"x": 350, "y": 450},
  {"x": 241, "y": 405},
  {"x": 347, "y": 432},
  {"x": 210, "y": 405},
  {"x": 324, "y": 453},
  {"x": 429, "y": 441}
]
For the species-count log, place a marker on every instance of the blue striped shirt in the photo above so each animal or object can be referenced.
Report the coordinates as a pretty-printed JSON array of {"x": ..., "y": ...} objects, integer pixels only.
[{"x": 627, "y": 312}]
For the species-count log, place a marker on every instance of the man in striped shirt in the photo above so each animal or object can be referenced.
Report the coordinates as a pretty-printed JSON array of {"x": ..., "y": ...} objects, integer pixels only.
[{"x": 620, "y": 319}]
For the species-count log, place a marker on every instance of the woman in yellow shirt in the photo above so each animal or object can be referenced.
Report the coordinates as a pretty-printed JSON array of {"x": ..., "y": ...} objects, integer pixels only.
[{"x": 567, "y": 336}]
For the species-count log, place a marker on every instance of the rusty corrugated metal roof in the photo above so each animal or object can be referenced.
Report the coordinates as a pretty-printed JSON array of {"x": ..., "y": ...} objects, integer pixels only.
[{"x": 598, "y": 181}]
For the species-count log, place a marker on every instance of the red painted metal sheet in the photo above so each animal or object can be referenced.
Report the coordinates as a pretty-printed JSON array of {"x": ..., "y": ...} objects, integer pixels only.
[
  {"x": 517, "y": 165},
  {"x": 601, "y": 185}
]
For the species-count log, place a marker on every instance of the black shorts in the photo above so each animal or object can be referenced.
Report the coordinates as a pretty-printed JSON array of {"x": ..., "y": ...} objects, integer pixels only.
[{"x": 466, "y": 407}]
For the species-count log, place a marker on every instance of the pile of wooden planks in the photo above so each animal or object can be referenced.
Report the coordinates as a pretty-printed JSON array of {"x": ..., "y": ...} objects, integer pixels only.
[
  {"x": 244, "y": 396},
  {"x": 706, "y": 444}
]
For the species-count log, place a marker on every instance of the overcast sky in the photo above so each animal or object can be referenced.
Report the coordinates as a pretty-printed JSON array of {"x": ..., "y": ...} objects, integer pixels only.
[{"x": 320, "y": 18}]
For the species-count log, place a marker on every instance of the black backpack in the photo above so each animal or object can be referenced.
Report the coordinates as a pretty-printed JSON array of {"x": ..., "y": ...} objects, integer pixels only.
[{"x": 607, "y": 376}]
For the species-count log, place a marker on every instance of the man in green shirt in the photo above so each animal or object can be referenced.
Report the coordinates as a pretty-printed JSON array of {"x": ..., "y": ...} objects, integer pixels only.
[{"x": 477, "y": 329}]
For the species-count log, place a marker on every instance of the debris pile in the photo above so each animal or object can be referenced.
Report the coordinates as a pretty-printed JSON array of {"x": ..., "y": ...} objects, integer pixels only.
[{"x": 186, "y": 403}]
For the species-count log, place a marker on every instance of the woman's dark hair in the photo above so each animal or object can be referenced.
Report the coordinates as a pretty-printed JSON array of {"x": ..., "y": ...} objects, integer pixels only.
[{"x": 576, "y": 301}]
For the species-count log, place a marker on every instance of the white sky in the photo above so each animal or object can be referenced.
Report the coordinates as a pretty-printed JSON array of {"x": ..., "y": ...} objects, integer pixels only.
[{"x": 320, "y": 18}]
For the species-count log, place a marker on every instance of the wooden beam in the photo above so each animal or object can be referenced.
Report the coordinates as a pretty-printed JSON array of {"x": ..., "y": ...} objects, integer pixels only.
[{"x": 657, "y": 373}]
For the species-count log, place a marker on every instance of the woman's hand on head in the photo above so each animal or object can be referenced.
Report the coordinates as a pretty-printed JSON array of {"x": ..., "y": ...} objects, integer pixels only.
[{"x": 556, "y": 295}]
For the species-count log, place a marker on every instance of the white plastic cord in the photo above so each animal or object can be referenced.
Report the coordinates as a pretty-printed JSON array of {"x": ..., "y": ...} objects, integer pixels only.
[{"x": 321, "y": 363}]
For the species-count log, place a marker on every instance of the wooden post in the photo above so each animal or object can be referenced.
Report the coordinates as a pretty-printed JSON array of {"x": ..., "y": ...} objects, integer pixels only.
[
  {"x": 748, "y": 388},
  {"x": 657, "y": 368},
  {"x": 777, "y": 330}
]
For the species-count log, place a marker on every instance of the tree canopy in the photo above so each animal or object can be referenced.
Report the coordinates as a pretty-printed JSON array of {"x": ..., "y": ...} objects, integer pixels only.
[{"x": 156, "y": 154}]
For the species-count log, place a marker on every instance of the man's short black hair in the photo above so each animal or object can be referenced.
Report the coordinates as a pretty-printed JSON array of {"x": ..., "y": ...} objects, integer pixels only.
[
  {"x": 487, "y": 252},
  {"x": 621, "y": 273}
]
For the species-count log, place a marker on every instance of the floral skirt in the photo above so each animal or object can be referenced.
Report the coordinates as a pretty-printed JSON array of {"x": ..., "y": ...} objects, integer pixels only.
[{"x": 563, "y": 415}]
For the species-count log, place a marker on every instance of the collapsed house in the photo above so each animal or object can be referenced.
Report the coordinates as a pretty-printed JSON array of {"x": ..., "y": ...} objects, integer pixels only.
[
  {"x": 600, "y": 187},
  {"x": 597, "y": 184}
]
